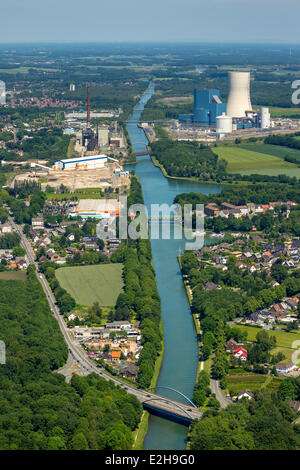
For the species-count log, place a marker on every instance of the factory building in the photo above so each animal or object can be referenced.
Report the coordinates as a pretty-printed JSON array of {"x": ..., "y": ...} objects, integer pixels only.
[
  {"x": 103, "y": 136},
  {"x": 207, "y": 107},
  {"x": 97, "y": 208},
  {"x": 2, "y": 92},
  {"x": 239, "y": 102},
  {"x": 84, "y": 163}
]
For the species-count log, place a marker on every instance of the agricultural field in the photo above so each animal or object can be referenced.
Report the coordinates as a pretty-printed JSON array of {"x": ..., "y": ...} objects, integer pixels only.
[
  {"x": 275, "y": 150},
  {"x": 252, "y": 382},
  {"x": 13, "y": 276},
  {"x": 89, "y": 284},
  {"x": 245, "y": 161},
  {"x": 237, "y": 384},
  {"x": 284, "y": 112}
]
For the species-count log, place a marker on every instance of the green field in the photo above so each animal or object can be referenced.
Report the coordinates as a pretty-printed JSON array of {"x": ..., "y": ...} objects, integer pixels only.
[
  {"x": 13, "y": 276},
  {"x": 284, "y": 112},
  {"x": 291, "y": 171},
  {"x": 277, "y": 112},
  {"x": 245, "y": 161},
  {"x": 252, "y": 383},
  {"x": 239, "y": 159},
  {"x": 284, "y": 340},
  {"x": 275, "y": 150},
  {"x": 89, "y": 284}
]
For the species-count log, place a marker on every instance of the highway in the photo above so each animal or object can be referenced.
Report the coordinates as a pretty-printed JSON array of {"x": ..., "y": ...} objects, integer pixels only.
[{"x": 81, "y": 358}]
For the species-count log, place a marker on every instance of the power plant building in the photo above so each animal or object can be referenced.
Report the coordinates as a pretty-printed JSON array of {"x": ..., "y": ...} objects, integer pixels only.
[
  {"x": 207, "y": 107},
  {"x": 239, "y": 102}
]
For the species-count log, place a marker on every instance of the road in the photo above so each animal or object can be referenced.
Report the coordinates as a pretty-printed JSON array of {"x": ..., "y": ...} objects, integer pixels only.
[
  {"x": 79, "y": 356},
  {"x": 215, "y": 388}
]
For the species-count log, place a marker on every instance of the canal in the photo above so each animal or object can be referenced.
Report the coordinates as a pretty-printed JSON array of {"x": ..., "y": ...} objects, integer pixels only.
[{"x": 180, "y": 361}]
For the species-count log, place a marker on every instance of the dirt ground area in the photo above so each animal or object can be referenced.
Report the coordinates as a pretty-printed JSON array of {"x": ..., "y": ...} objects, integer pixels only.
[{"x": 78, "y": 179}]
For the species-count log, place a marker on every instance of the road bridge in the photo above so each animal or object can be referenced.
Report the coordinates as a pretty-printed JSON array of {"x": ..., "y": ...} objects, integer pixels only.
[{"x": 152, "y": 402}]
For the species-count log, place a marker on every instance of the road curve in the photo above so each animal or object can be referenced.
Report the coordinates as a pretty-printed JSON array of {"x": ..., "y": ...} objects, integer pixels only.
[{"x": 215, "y": 388}]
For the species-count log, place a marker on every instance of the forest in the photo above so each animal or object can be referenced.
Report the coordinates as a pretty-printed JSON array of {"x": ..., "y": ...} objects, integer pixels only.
[
  {"x": 258, "y": 193},
  {"x": 39, "y": 410},
  {"x": 263, "y": 423},
  {"x": 187, "y": 159}
]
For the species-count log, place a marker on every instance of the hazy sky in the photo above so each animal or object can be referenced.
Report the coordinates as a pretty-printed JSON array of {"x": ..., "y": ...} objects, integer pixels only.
[{"x": 150, "y": 20}]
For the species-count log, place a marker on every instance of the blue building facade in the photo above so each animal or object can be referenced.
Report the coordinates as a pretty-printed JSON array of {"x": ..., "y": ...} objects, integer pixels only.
[{"x": 207, "y": 106}]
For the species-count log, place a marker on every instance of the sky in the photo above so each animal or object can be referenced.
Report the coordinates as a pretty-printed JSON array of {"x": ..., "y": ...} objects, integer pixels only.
[{"x": 249, "y": 21}]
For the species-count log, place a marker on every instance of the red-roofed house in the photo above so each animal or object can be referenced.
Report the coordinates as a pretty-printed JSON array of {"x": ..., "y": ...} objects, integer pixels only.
[{"x": 240, "y": 353}]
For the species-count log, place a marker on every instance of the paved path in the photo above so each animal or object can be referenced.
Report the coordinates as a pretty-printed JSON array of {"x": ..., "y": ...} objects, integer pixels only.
[{"x": 215, "y": 388}]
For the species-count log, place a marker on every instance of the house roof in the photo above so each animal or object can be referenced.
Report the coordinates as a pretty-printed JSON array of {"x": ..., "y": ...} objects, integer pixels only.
[
  {"x": 240, "y": 348},
  {"x": 116, "y": 354},
  {"x": 243, "y": 392},
  {"x": 284, "y": 365}
]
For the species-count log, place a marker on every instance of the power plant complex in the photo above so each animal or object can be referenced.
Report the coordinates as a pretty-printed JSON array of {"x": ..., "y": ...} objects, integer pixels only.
[{"x": 237, "y": 113}]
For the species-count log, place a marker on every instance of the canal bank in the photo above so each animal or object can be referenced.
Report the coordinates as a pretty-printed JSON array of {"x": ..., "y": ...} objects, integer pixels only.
[{"x": 180, "y": 360}]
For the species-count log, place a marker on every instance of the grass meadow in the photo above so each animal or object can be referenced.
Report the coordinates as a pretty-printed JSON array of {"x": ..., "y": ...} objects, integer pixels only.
[
  {"x": 89, "y": 284},
  {"x": 259, "y": 159}
]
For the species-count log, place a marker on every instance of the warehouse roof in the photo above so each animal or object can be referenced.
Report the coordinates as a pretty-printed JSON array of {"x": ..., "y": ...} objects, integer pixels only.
[
  {"x": 97, "y": 205},
  {"x": 82, "y": 159}
]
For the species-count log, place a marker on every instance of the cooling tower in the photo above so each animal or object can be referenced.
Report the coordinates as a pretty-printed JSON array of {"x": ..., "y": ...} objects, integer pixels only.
[{"x": 239, "y": 94}]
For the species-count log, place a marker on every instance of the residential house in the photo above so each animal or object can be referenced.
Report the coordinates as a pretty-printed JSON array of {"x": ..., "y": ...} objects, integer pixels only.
[
  {"x": 241, "y": 265},
  {"x": 21, "y": 263},
  {"x": 119, "y": 325},
  {"x": 90, "y": 242},
  {"x": 276, "y": 309},
  {"x": 292, "y": 303},
  {"x": 275, "y": 284},
  {"x": 131, "y": 371},
  {"x": 37, "y": 223},
  {"x": 245, "y": 394},
  {"x": 248, "y": 252},
  {"x": 72, "y": 316},
  {"x": 231, "y": 345},
  {"x": 6, "y": 228},
  {"x": 285, "y": 367},
  {"x": 115, "y": 356},
  {"x": 212, "y": 210},
  {"x": 240, "y": 353},
  {"x": 71, "y": 237},
  {"x": 295, "y": 405},
  {"x": 210, "y": 286},
  {"x": 50, "y": 252}
]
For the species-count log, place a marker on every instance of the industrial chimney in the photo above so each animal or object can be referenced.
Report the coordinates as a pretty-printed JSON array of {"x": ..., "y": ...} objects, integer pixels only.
[
  {"x": 88, "y": 114},
  {"x": 239, "y": 94}
]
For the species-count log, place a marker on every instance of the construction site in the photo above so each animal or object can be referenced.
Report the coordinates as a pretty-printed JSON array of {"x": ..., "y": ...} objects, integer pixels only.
[{"x": 109, "y": 175}]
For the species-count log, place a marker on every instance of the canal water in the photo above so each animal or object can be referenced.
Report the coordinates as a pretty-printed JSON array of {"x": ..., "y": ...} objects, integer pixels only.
[{"x": 180, "y": 359}]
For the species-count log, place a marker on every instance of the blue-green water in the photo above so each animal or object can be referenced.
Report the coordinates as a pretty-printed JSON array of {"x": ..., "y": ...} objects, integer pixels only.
[{"x": 180, "y": 360}]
